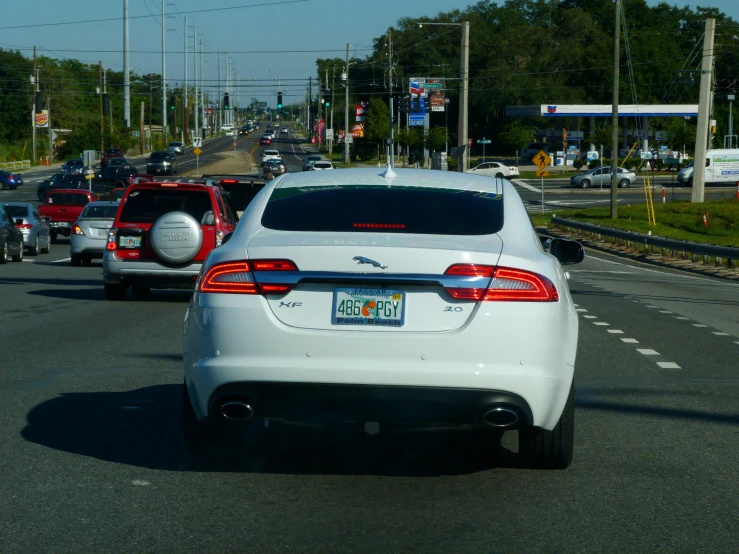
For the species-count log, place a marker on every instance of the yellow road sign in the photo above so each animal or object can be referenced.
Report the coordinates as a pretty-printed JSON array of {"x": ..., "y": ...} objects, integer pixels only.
[
  {"x": 542, "y": 159},
  {"x": 197, "y": 151},
  {"x": 542, "y": 173},
  {"x": 89, "y": 177}
]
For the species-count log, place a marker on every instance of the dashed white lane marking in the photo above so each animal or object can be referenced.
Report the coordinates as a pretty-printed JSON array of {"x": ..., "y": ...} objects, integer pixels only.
[
  {"x": 668, "y": 365},
  {"x": 682, "y": 318},
  {"x": 665, "y": 312},
  {"x": 576, "y": 305},
  {"x": 580, "y": 309},
  {"x": 602, "y": 323},
  {"x": 699, "y": 325},
  {"x": 631, "y": 341},
  {"x": 647, "y": 351},
  {"x": 615, "y": 331},
  {"x": 29, "y": 261},
  {"x": 720, "y": 334},
  {"x": 651, "y": 306},
  {"x": 590, "y": 317},
  {"x": 736, "y": 342},
  {"x": 59, "y": 261}
]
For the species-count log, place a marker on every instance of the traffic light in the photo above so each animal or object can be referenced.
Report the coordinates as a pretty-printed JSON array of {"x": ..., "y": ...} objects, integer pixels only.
[
  {"x": 106, "y": 104},
  {"x": 226, "y": 102},
  {"x": 172, "y": 102},
  {"x": 327, "y": 103},
  {"x": 279, "y": 99},
  {"x": 39, "y": 104}
]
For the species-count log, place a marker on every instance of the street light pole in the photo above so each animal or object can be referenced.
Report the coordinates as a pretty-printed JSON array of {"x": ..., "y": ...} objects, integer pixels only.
[
  {"x": 446, "y": 125},
  {"x": 346, "y": 108},
  {"x": 164, "y": 74},
  {"x": 614, "y": 112}
]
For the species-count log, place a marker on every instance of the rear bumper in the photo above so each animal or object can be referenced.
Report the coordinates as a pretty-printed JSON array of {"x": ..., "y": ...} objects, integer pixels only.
[
  {"x": 84, "y": 246},
  {"x": 149, "y": 273}
]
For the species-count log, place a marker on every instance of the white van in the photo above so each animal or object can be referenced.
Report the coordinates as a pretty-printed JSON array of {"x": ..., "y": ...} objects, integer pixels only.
[{"x": 722, "y": 167}]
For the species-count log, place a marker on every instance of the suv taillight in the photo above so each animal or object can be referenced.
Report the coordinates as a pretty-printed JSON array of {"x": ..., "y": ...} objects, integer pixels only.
[
  {"x": 24, "y": 226},
  {"x": 506, "y": 285},
  {"x": 110, "y": 245},
  {"x": 238, "y": 277}
]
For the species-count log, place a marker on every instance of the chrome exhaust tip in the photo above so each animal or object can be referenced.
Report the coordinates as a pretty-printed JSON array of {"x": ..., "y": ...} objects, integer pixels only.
[
  {"x": 500, "y": 417},
  {"x": 237, "y": 411}
]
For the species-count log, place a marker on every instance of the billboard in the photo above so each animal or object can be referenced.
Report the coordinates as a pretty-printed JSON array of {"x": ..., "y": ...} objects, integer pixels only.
[
  {"x": 42, "y": 119},
  {"x": 361, "y": 111},
  {"x": 436, "y": 94},
  {"x": 357, "y": 131}
]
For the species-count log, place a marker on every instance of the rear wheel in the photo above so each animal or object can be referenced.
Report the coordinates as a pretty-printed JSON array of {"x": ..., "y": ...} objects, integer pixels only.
[
  {"x": 115, "y": 292},
  {"x": 544, "y": 449},
  {"x": 19, "y": 256},
  {"x": 47, "y": 249},
  {"x": 34, "y": 250},
  {"x": 585, "y": 183},
  {"x": 4, "y": 253},
  {"x": 624, "y": 183}
]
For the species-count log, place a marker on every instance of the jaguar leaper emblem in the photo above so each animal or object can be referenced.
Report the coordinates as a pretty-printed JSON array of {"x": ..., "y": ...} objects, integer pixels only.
[{"x": 362, "y": 260}]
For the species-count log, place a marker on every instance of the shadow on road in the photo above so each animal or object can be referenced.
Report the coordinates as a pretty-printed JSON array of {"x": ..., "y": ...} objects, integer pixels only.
[{"x": 142, "y": 428}]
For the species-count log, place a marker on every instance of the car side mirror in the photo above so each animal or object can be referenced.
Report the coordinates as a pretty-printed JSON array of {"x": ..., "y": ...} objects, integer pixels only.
[
  {"x": 567, "y": 251},
  {"x": 226, "y": 238},
  {"x": 19, "y": 221}
]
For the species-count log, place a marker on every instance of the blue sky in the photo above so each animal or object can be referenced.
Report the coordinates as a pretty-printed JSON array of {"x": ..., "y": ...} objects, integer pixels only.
[{"x": 310, "y": 25}]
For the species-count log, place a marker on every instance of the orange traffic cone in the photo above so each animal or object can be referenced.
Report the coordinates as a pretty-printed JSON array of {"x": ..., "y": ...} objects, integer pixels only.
[{"x": 47, "y": 160}]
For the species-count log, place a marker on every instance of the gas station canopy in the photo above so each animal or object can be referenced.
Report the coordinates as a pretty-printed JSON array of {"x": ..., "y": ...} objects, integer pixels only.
[{"x": 603, "y": 110}]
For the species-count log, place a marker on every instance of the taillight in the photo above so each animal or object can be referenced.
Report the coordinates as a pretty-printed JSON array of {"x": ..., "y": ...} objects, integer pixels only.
[
  {"x": 24, "y": 226},
  {"x": 238, "y": 277},
  {"x": 505, "y": 285},
  {"x": 77, "y": 230},
  {"x": 110, "y": 245}
]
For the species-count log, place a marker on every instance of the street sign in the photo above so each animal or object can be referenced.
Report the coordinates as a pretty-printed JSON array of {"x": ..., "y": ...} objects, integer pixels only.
[
  {"x": 542, "y": 173},
  {"x": 197, "y": 142},
  {"x": 197, "y": 151},
  {"x": 329, "y": 134},
  {"x": 646, "y": 155},
  {"x": 483, "y": 141},
  {"x": 349, "y": 139},
  {"x": 542, "y": 159},
  {"x": 88, "y": 177},
  {"x": 593, "y": 155}
]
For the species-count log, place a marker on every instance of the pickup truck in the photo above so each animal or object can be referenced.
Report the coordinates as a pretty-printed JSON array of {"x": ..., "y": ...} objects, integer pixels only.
[
  {"x": 63, "y": 207},
  {"x": 112, "y": 177}
]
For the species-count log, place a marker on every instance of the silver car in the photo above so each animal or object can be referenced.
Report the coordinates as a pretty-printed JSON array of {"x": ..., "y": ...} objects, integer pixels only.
[
  {"x": 177, "y": 147},
  {"x": 601, "y": 177},
  {"x": 35, "y": 229},
  {"x": 90, "y": 231}
]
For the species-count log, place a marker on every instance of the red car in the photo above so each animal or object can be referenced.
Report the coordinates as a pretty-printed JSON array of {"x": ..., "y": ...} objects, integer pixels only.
[
  {"x": 109, "y": 154},
  {"x": 161, "y": 235}
]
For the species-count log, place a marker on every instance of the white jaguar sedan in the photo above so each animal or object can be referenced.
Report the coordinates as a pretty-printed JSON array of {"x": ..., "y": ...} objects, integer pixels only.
[{"x": 385, "y": 298}]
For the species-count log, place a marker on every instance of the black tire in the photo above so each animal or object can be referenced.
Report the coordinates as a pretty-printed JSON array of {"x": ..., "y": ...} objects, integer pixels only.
[
  {"x": 34, "y": 250},
  {"x": 550, "y": 449},
  {"x": 115, "y": 292},
  {"x": 53, "y": 237},
  {"x": 19, "y": 256},
  {"x": 4, "y": 253},
  {"x": 47, "y": 249},
  {"x": 140, "y": 291},
  {"x": 76, "y": 260},
  {"x": 624, "y": 183},
  {"x": 585, "y": 183}
]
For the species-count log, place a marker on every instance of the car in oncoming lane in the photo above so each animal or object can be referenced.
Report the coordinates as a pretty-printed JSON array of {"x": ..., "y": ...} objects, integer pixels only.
[
  {"x": 494, "y": 169},
  {"x": 10, "y": 180},
  {"x": 161, "y": 161},
  {"x": 75, "y": 166},
  {"x": 90, "y": 231},
  {"x": 35, "y": 229},
  {"x": 370, "y": 299}
]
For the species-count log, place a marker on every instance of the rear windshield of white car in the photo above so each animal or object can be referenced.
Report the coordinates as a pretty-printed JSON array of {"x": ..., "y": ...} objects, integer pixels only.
[
  {"x": 323, "y": 165},
  {"x": 148, "y": 205},
  {"x": 397, "y": 209}
]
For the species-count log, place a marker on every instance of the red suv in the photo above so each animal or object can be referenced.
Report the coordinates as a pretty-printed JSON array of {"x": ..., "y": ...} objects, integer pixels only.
[{"x": 161, "y": 235}]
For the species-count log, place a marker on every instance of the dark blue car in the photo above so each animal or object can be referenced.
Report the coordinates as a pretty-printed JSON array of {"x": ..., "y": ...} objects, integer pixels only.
[{"x": 10, "y": 180}]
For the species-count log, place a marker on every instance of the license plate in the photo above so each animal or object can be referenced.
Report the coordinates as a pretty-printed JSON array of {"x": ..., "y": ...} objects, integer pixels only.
[
  {"x": 102, "y": 232},
  {"x": 62, "y": 224},
  {"x": 367, "y": 306},
  {"x": 129, "y": 242}
]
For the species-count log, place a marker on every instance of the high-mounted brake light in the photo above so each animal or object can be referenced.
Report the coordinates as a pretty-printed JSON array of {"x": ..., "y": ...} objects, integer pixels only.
[
  {"x": 506, "y": 285},
  {"x": 173, "y": 185},
  {"x": 229, "y": 181},
  {"x": 238, "y": 277},
  {"x": 379, "y": 225}
]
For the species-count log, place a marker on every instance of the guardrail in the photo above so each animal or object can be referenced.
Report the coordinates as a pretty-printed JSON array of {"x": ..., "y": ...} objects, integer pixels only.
[
  {"x": 15, "y": 166},
  {"x": 694, "y": 251}
]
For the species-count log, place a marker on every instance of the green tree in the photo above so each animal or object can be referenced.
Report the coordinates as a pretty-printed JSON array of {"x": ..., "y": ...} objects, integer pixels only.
[
  {"x": 515, "y": 136},
  {"x": 377, "y": 123},
  {"x": 681, "y": 133},
  {"x": 435, "y": 138}
]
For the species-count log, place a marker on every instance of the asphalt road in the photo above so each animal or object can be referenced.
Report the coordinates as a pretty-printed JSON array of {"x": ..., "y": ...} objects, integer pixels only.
[{"x": 92, "y": 457}]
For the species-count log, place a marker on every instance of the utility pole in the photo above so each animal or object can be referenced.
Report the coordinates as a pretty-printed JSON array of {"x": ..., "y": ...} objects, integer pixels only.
[
  {"x": 219, "y": 101},
  {"x": 346, "y": 109},
  {"x": 126, "y": 70},
  {"x": 51, "y": 132},
  {"x": 463, "y": 161},
  {"x": 151, "y": 137},
  {"x": 102, "y": 119},
  {"x": 105, "y": 93},
  {"x": 704, "y": 101},
  {"x": 141, "y": 132},
  {"x": 195, "y": 111},
  {"x": 333, "y": 86},
  {"x": 164, "y": 73},
  {"x": 202, "y": 85},
  {"x": 186, "y": 114},
  {"x": 34, "y": 81},
  {"x": 614, "y": 111},
  {"x": 310, "y": 107},
  {"x": 390, "y": 80}
]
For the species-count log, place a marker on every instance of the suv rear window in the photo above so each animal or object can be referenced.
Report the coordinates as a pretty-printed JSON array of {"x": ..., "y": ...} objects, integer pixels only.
[
  {"x": 148, "y": 205},
  {"x": 398, "y": 209},
  {"x": 67, "y": 199}
]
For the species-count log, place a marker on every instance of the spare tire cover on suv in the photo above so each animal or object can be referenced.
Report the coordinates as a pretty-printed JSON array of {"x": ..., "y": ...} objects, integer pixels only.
[{"x": 176, "y": 237}]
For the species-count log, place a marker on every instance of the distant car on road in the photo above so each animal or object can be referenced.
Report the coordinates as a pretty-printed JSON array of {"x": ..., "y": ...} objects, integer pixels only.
[
  {"x": 11, "y": 238},
  {"x": 270, "y": 155},
  {"x": 321, "y": 165},
  {"x": 276, "y": 166},
  {"x": 265, "y": 140},
  {"x": 284, "y": 131},
  {"x": 110, "y": 154},
  {"x": 63, "y": 207},
  {"x": 245, "y": 130},
  {"x": 494, "y": 169},
  {"x": 10, "y": 180},
  {"x": 309, "y": 161},
  {"x": 119, "y": 162},
  {"x": 161, "y": 161},
  {"x": 685, "y": 175},
  {"x": 177, "y": 147},
  {"x": 35, "y": 230},
  {"x": 601, "y": 177},
  {"x": 228, "y": 127},
  {"x": 74, "y": 166},
  {"x": 90, "y": 232}
]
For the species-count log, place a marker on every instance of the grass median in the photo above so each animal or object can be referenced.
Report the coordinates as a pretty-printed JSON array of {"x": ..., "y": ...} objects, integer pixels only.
[{"x": 676, "y": 220}]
